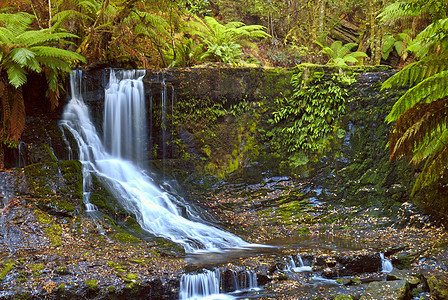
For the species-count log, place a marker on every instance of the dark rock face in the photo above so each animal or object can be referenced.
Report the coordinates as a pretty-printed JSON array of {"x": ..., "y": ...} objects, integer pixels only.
[{"x": 359, "y": 264}]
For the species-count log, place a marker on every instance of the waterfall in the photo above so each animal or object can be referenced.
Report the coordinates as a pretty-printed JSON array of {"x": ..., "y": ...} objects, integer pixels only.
[
  {"x": 291, "y": 265},
  {"x": 124, "y": 116},
  {"x": 209, "y": 284},
  {"x": 157, "y": 211},
  {"x": 386, "y": 264}
]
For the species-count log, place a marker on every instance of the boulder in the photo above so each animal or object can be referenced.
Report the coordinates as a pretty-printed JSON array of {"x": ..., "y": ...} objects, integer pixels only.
[
  {"x": 362, "y": 263},
  {"x": 386, "y": 290},
  {"x": 437, "y": 283},
  {"x": 411, "y": 277}
]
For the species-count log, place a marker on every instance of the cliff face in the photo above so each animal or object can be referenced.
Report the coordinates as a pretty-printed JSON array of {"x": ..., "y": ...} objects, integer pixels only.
[{"x": 217, "y": 126}]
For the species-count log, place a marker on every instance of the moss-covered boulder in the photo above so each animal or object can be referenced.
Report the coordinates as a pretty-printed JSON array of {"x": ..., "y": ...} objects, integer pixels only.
[
  {"x": 386, "y": 290},
  {"x": 56, "y": 187},
  {"x": 438, "y": 284}
]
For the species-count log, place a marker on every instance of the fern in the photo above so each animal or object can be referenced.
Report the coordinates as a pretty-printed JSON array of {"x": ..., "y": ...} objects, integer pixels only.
[
  {"x": 430, "y": 89},
  {"x": 22, "y": 51},
  {"x": 398, "y": 10},
  {"x": 223, "y": 42},
  {"x": 421, "y": 114},
  {"x": 340, "y": 54}
]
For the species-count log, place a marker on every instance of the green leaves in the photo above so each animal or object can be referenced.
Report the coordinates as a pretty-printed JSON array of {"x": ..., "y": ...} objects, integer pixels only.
[
  {"x": 304, "y": 122},
  {"x": 22, "y": 51},
  {"x": 340, "y": 54},
  {"x": 223, "y": 42},
  {"x": 421, "y": 114}
]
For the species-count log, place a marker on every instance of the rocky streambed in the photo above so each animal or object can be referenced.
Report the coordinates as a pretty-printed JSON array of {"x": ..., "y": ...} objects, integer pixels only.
[{"x": 52, "y": 248}]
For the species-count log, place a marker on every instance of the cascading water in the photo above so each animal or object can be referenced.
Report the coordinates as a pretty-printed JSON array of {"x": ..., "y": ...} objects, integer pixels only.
[
  {"x": 124, "y": 117},
  {"x": 386, "y": 264},
  {"x": 156, "y": 210},
  {"x": 291, "y": 265},
  {"x": 209, "y": 284}
]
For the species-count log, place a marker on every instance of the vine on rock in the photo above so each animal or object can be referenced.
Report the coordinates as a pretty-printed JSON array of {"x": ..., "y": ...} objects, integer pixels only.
[{"x": 306, "y": 122}]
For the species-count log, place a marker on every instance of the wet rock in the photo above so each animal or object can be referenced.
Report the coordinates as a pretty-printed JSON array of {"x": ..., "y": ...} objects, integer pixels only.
[
  {"x": 262, "y": 279},
  {"x": 383, "y": 290},
  {"x": 437, "y": 283},
  {"x": 410, "y": 276},
  {"x": 363, "y": 263},
  {"x": 349, "y": 281},
  {"x": 402, "y": 260}
]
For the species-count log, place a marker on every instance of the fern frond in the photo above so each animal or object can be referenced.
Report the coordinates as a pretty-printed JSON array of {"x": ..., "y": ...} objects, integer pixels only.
[
  {"x": 433, "y": 35},
  {"x": 54, "y": 63},
  {"x": 398, "y": 10},
  {"x": 43, "y": 37},
  {"x": 17, "y": 119},
  {"x": 417, "y": 126},
  {"x": 62, "y": 16},
  {"x": 47, "y": 51},
  {"x": 16, "y": 74},
  {"x": 435, "y": 165},
  {"x": 90, "y": 6},
  {"x": 6, "y": 36},
  {"x": 430, "y": 89},
  {"x": 16, "y": 23},
  {"x": 25, "y": 58},
  {"x": 417, "y": 71},
  {"x": 344, "y": 50}
]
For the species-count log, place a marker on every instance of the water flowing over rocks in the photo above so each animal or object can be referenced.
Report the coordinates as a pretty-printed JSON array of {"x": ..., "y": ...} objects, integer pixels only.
[{"x": 52, "y": 248}]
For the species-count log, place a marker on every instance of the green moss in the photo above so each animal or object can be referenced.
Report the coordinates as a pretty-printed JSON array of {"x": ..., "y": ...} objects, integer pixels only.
[
  {"x": 53, "y": 231},
  {"x": 23, "y": 276},
  {"x": 5, "y": 267},
  {"x": 130, "y": 277},
  {"x": 116, "y": 266},
  {"x": 133, "y": 224},
  {"x": 36, "y": 269},
  {"x": 125, "y": 238},
  {"x": 43, "y": 217},
  {"x": 92, "y": 284},
  {"x": 111, "y": 289},
  {"x": 61, "y": 287},
  {"x": 62, "y": 270},
  {"x": 343, "y": 297}
]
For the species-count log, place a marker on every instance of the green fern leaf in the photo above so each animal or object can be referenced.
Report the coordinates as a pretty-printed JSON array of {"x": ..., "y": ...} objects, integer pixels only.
[
  {"x": 6, "y": 36},
  {"x": 430, "y": 89},
  {"x": 57, "y": 53},
  {"x": 16, "y": 74},
  {"x": 25, "y": 58},
  {"x": 16, "y": 23},
  {"x": 54, "y": 63}
]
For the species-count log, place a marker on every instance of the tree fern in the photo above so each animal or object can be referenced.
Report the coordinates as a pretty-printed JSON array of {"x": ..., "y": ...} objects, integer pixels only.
[
  {"x": 340, "y": 54},
  {"x": 223, "y": 42},
  {"x": 421, "y": 114},
  {"x": 428, "y": 90},
  {"x": 22, "y": 51}
]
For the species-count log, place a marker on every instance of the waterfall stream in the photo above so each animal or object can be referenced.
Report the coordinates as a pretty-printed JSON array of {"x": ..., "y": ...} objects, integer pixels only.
[{"x": 117, "y": 163}]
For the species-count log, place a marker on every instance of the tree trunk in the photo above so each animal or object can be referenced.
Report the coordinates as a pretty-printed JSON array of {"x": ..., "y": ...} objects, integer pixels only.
[{"x": 375, "y": 34}]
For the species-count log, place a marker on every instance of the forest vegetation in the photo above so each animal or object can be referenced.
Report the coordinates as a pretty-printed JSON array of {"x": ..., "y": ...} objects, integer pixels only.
[{"x": 50, "y": 37}]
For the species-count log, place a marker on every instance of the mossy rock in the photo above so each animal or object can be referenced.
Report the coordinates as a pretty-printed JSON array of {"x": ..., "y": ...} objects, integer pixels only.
[
  {"x": 386, "y": 290},
  {"x": 40, "y": 153},
  {"x": 5, "y": 268},
  {"x": 438, "y": 285},
  {"x": 343, "y": 297},
  {"x": 125, "y": 238},
  {"x": 48, "y": 179}
]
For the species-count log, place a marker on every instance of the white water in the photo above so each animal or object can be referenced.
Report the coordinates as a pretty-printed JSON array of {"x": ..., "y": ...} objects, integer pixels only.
[
  {"x": 208, "y": 285},
  {"x": 291, "y": 265},
  {"x": 156, "y": 210},
  {"x": 386, "y": 264}
]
